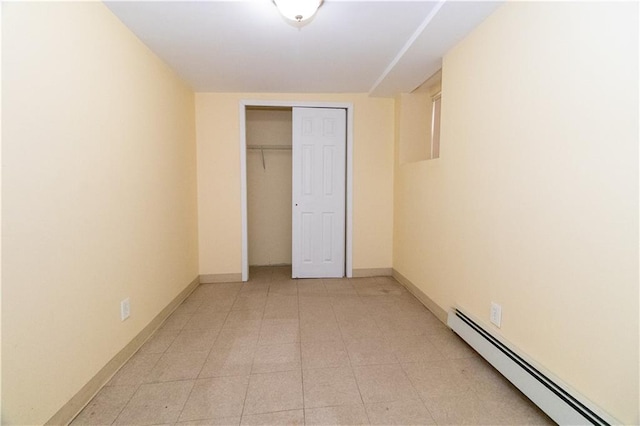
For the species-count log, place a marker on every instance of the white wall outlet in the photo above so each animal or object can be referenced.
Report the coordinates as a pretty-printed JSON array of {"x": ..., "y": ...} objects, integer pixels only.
[
  {"x": 496, "y": 314},
  {"x": 125, "y": 309}
]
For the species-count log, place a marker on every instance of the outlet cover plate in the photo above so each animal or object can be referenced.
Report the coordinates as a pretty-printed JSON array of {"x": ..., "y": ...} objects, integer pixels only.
[
  {"x": 125, "y": 309},
  {"x": 496, "y": 314}
]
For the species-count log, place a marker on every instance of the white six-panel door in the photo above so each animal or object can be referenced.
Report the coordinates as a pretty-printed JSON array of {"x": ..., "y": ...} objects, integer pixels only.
[{"x": 319, "y": 163}]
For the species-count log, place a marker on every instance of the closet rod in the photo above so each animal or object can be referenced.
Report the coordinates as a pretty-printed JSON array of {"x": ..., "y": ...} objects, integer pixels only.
[{"x": 285, "y": 147}]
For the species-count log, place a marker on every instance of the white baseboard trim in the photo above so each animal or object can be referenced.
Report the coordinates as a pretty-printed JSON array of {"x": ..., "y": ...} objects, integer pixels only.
[
  {"x": 220, "y": 278},
  {"x": 372, "y": 272},
  {"x": 73, "y": 407},
  {"x": 436, "y": 310}
]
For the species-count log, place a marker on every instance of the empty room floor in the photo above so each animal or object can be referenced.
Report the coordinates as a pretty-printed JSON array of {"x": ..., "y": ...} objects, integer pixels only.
[{"x": 323, "y": 351}]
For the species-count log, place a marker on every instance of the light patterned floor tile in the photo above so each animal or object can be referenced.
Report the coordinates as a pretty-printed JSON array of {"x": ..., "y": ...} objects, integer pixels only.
[
  {"x": 436, "y": 378},
  {"x": 273, "y": 392},
  {"x": 281, "y": 357},
  {"x": 465, "y": 409},
  {"x": 227, "y": 421},
  {"x": 346, "y": 415},
  {"x": 194, "y": 340},
  {"x": 278, "y": 331},
  {"x": 156, "y": 403},
  {"x": 233, "y": 360},
  {"x": 250, "y": 301},
  {"x": 370, "y": 351},
  {"x": 241, "y": 336},
  {"x": 220, "y": 397},
  {"x": 383, "y": 383},
  {"x": 105, "y": 406},
  {"x": 406, "y": 412},
  {"x": 177, "y": 366},
  {"x": 324, "y": 387},
  {"x": 409, "y": 348},
  {"x": 285, "y": 418},
  {"x": 450, "y": 345},
  {"x": 323, "y": 354}
]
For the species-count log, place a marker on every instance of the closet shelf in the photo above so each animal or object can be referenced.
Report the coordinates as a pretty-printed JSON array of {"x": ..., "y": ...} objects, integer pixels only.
[{"x": 284, "y": 147}]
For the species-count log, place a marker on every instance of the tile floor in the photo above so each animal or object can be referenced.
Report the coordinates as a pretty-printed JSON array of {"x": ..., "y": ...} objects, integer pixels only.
[{"x": 316, "y": 352}]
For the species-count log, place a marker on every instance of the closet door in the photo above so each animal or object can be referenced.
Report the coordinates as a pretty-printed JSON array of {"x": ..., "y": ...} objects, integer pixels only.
[{"x": 319, "y": 181}]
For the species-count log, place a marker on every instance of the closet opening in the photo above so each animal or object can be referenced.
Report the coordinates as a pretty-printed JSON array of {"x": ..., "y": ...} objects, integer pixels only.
[
  {"x": 267, "y": 173},
  {"x": 269, "y": 185}
]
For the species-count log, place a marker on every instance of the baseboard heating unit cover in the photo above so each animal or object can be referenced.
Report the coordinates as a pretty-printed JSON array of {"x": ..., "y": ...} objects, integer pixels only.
[{"x": 554, "y": 398}]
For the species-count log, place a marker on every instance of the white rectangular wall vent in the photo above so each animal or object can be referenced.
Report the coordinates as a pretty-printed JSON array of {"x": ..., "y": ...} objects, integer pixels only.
[{"x": 553, "y": 398}]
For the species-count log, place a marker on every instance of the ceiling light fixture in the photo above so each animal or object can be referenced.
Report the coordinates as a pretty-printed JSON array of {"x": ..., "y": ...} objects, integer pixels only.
[{"x": 298, "y": 10}]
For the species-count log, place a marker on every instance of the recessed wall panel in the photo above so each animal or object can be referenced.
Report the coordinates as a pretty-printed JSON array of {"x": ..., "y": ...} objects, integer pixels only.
[
  {"x": 328, "y": 153},
  {"x": 307, "y": 169},
  {"x": 307, "y": 126},
  {"x": 327, "y": 237},
  {"x": 307, "y": 237},
  {"x": 328, "y": 127}
]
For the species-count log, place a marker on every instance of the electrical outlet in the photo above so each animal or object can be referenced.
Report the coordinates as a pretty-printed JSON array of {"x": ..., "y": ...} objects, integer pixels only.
[
  {"x": 496, "y": 314},
  {"x": 125, "y": 309}
]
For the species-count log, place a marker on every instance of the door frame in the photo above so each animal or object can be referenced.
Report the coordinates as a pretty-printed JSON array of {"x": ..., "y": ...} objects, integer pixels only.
[{"x": 243, "y": 173}]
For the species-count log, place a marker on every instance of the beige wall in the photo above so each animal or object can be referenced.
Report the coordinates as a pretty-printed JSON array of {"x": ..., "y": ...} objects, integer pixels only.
[
  {"x": 99, "y": 197},
  {"x": 269, "y": 186},
  {"x": 534, "y": 201},
  {"x": 218, "y": 135},
  {"x": 414, "y": 126}
]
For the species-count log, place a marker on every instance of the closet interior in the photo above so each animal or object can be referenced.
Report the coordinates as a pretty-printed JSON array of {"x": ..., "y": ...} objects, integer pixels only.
[{"x": 269, "y": 177}]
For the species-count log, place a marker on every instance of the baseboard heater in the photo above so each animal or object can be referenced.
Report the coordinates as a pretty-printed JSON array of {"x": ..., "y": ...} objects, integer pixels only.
[{"x": 563, "y": 407}]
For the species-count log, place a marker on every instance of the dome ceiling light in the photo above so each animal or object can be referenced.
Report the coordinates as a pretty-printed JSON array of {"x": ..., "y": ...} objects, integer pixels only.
[{"x": 298, "y": 10}]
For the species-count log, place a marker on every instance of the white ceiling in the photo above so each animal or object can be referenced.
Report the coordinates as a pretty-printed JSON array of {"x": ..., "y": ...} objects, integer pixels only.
[{"x": 376, "y": 47}]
